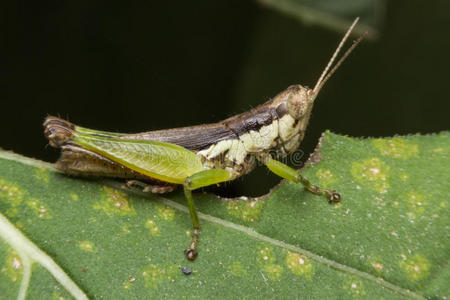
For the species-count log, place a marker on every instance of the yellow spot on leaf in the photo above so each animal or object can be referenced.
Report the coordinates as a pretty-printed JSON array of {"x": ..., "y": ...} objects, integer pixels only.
[
  {"x": 326, "y": 177},
  {"x": 150, "y": 224},
  {"x": 41, "y": 174},
  {"x": 38, "y": 208},
  {"x": 416, "y": 204},
  {"x": 12, "y": 195},
  {"x": 114, "y": 202},
  {"x": 404, "y": 177},
  {"x": 166, "y": 213},
  {"x": 266, "y": 260},
  {"x": 373, "y": 173},
  {"x": 354, "y": 287},
  {"x": 12, "y": 268},
  {"x": 154, "y": 275},
  {"x": 126, "y": 285},
  {"x": 246, "y": 210},
  {"x": 265, "y": 255},
  {"x": 238, "y": 270},
  {"x": 377, "y": 265},
  {"x": 129, "y": 283},
  {"x": 126, "y": 229},
  {"x": 74, "y": 197},
  {"x": 273, "y": 271},
  {"x": 438, "y": 150},
  {"x": 299, "y": 265},
  {"x": 396, "y": 147},
  {"x": 87, "y": 246},
  {"x": 416, "y": 267}
]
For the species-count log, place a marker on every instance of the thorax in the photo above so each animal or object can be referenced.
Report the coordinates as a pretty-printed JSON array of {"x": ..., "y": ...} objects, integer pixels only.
[{"x": 277, "y": 134}]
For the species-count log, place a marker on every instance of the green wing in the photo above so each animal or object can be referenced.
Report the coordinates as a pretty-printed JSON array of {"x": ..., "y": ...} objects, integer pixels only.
[{"x": 163, "y": 161}]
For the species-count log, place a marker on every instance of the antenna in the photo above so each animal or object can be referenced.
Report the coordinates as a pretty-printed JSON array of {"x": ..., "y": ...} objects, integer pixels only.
[{"x": 325, "y": 74}]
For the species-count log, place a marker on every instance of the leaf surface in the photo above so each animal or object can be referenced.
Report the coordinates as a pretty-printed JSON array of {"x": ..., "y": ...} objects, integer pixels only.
[{"x": 386, "y": 239}]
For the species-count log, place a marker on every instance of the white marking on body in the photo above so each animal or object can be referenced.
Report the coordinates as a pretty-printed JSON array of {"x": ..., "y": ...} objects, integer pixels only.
[
  {"x": 270, "y": 131},
  {"x": 237, "y": 152},
  {"x": 263, "y": 138},
  {"x": 292, "y": 144},
  {"x": 258, "y": 141},
  {"x": 286, "y": 129},
  {"x": 247, "y": 142},
  {"x": 216, "y": 149}
]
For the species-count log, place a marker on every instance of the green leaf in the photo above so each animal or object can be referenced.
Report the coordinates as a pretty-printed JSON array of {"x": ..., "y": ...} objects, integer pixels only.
[
  {"x": 336, "y": 15},
  {"x": 386, "y": 239}
]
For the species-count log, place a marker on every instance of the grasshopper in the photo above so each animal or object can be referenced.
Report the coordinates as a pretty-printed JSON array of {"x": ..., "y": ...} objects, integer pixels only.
[{"x": 201, "y": 155}]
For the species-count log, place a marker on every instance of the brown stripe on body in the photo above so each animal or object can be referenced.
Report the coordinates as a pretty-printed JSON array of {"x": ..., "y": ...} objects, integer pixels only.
[
  {"x": 192, "y": 138},
  {"x": 200, "y": 137},
  {"x": 248, "y": 122},
  {"x": 257, "y": 117}
]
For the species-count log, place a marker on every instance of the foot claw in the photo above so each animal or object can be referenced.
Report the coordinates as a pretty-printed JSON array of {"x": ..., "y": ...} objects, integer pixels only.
[
  {"x": 191, "y": 254},
  {"x": 334, "y": 197}
]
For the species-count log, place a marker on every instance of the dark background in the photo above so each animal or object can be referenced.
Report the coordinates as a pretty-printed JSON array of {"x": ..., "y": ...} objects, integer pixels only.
[{"x": 143, "y": 65}]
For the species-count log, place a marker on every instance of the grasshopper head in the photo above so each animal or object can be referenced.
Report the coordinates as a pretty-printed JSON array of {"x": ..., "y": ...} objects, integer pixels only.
[{"x": 299, "y": 101}]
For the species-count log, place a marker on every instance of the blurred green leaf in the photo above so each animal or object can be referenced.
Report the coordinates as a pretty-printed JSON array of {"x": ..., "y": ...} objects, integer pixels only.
[
  {"x": 336, "y": 15},
  {"x": 386, "y": 239}
]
